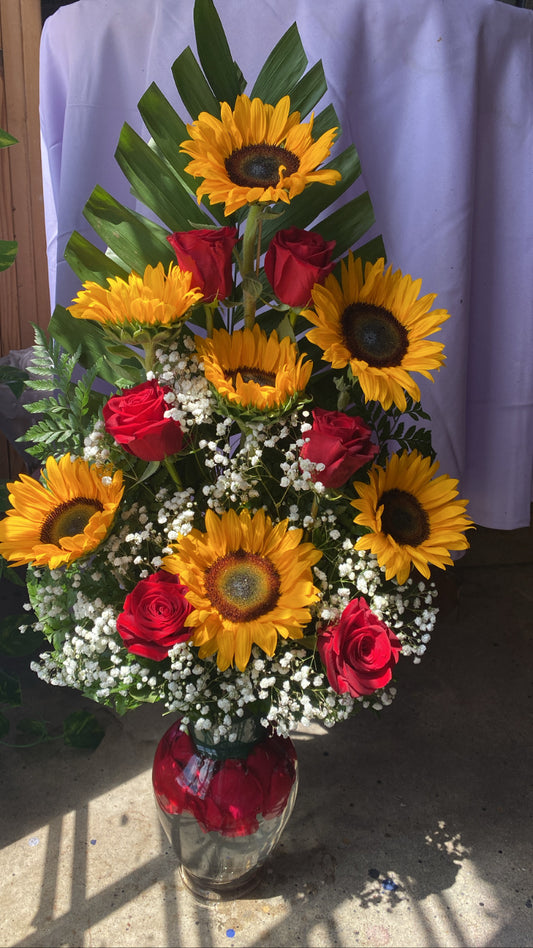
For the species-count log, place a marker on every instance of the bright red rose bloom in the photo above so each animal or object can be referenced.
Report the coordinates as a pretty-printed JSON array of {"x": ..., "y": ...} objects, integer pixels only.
[
  {"x": 359, "y": 652},
  {"x": 296, "y": 260},
  {"x": 207, "y": 254},
  {"x": 340, "y": 442},
  {"x": 136, "y": 420},
  {"x": 154, "y": 616}
]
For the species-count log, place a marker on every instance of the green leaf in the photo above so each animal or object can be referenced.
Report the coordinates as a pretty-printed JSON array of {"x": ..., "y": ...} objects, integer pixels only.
[
  {"x": 82, "y": 729},
  {"x": 348, "y": 224},
  {"x": 372, "y": 250},
  {"x": 6, "y": 139},
  {"x": 33, "y": 730},
  {"x": 89, "y": 262},
  {"x": 155, "y": 184},
  {"x": 192, "y": 85},
  {"x": 223, "y": 73},
  {"x": 282, "y": 68},
  {"x": 4, "y": 726},
  {"x": 309, "y": 90},
  {"x": 14, "y": 378},
  {"x": 285, "y": 328},
  {"x": 93, "y": 346},
  {"x": 168, "y": 131},
  {"x": 8, "y": 252},
  {"x": 10, "y": 692},
  {"x": 15, "y": 643},
  {"x": 135, "y": 239}
]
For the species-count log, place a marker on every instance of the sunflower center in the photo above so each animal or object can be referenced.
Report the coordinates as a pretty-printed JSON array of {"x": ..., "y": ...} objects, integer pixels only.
[
  {"x": 258, "y": 166},
  {"x": 242, "y": 586},
  {"x": 251, "y": 375},
  {"x": 69, "y": 519},
  {"x": 403, "y": 517},
  {"x": 374, "y": 335}
]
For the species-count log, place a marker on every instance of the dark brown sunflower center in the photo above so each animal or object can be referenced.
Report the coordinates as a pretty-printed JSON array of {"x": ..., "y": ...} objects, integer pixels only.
[
  {"x": 251, "y": 375},
  {"x": 403, "y": 518},
  {"x": 69, "y": 519},
  {"x": 374, "y": 335},
  {"x": 242, "y": 586},
  {"x": 258, "y": 166}
]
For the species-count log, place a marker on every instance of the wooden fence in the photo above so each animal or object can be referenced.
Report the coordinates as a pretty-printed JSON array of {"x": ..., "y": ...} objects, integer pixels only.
[{"x": 24, "y": 293}]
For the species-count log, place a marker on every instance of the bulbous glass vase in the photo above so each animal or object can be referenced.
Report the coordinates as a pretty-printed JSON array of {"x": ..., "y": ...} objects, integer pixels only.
[{"x": 224, "y": 805}]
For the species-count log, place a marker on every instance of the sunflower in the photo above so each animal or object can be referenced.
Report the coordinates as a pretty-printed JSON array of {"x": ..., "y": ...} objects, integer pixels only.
[
  {"x": 57, "y": 522},
  {"x": 155, "y": 299},
  {"x": 253, "y": 370},
  {"x": 248, "y": 580},
  {"x": 414, "y": 517},
  {"x": 377, "y": 325},
  {"x": 256, "y": 152}
]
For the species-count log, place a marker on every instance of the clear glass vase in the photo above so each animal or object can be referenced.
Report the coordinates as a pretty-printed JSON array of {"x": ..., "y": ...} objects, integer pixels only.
[{"x": 224, "y": 806}]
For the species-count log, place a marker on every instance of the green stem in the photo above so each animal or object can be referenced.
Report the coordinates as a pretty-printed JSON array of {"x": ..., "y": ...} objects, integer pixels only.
[
  {"x": 248, "y": 258},
  {"x": 314, "y": 510},
  {"x": 149, "y": 356},
  {"x": 208, "y": 310},
  {"x": 173, "y": 473}
]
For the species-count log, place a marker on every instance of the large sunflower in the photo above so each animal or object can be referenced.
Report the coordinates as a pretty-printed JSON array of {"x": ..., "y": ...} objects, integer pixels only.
[
  {"x": 413, "y": 517},
  {"x": 256, "y": 152},
  {"x": 155, "y": 299},
  {"x": 248, "y": 580},
  {"x": 376, "y": 324},
  {"x": 67, "y": 517},
  {"x": 253, "y": 370}
]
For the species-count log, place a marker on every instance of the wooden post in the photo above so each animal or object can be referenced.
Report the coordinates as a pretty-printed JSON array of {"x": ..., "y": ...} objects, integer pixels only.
[{"x": 24, "y": 292}]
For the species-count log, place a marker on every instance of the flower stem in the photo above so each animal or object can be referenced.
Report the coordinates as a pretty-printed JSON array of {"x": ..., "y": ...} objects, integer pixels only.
[
  {"x": 208, "y": 310},
  {"x": 149, "y": 356},
  {"x": 248, "y": 257},
  {"x": 173, "y": 473}
]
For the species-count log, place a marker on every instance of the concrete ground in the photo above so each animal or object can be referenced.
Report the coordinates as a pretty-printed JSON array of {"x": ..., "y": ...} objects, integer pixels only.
[{"x": 411, "y": 827}]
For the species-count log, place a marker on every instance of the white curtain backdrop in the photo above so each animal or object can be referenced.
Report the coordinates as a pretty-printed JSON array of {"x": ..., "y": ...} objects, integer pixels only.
[{"x": 437, "y": 97}]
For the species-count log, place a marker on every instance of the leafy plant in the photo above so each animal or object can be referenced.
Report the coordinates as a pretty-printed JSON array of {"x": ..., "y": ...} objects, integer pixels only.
[
  {"x": 8, "y": 248},
  {"x": 68, "y": 403}
]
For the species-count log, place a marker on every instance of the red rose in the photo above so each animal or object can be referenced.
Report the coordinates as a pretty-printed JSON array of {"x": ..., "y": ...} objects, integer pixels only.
[
  {"x": 154, "y": 616},
  {"x": 207, "y": 254},
  {"x": 359, "y": 652},
  {"x": 274, "y": 764},
  {"x": 296, "y": 260},
  {"x": 234, "y": 800},
  {"x": 136, "y": 420},
  {"x": 340, "y": 442}
]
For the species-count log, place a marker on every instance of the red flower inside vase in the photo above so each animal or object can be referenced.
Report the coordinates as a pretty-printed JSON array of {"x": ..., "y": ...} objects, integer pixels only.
[{"x": 228, "y": 796}]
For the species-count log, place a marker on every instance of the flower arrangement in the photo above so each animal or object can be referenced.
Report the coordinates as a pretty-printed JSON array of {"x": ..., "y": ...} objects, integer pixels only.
[{"x": 245, "y": 518}]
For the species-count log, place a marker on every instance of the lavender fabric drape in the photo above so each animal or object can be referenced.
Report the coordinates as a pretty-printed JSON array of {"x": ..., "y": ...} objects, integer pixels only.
[{"x": 437, "y": 96}]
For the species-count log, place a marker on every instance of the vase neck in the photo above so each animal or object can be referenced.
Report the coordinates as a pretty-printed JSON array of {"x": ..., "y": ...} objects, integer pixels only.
[{"x": 249, "y": 732}]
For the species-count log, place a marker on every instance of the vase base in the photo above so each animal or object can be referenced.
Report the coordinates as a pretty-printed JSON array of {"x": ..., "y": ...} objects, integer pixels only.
[{"x": 205, "y": 891}]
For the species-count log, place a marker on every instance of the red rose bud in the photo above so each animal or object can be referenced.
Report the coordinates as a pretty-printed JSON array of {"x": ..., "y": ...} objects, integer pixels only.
[
  {"x": 153, "y": 619},
  {"x": 136, "y": 420},
  {"x": 296, "y": 260},
  {"x": 359, "y": 652},
  {"x": 341, "y": 443},
  {"x": 207, "y": 254}
]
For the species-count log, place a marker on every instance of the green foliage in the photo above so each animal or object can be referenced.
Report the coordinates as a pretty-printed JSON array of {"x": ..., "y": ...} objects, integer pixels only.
[
  {"x": 67, "y": 407},
  {"x": 82, "y": 729},
  {"x": 8, "y": 248},
  {"x": 14, "y": 378}
]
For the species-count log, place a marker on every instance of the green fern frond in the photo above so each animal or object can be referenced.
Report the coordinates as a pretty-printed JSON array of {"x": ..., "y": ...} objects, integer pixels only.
[{"x": 67, "y": 410}]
